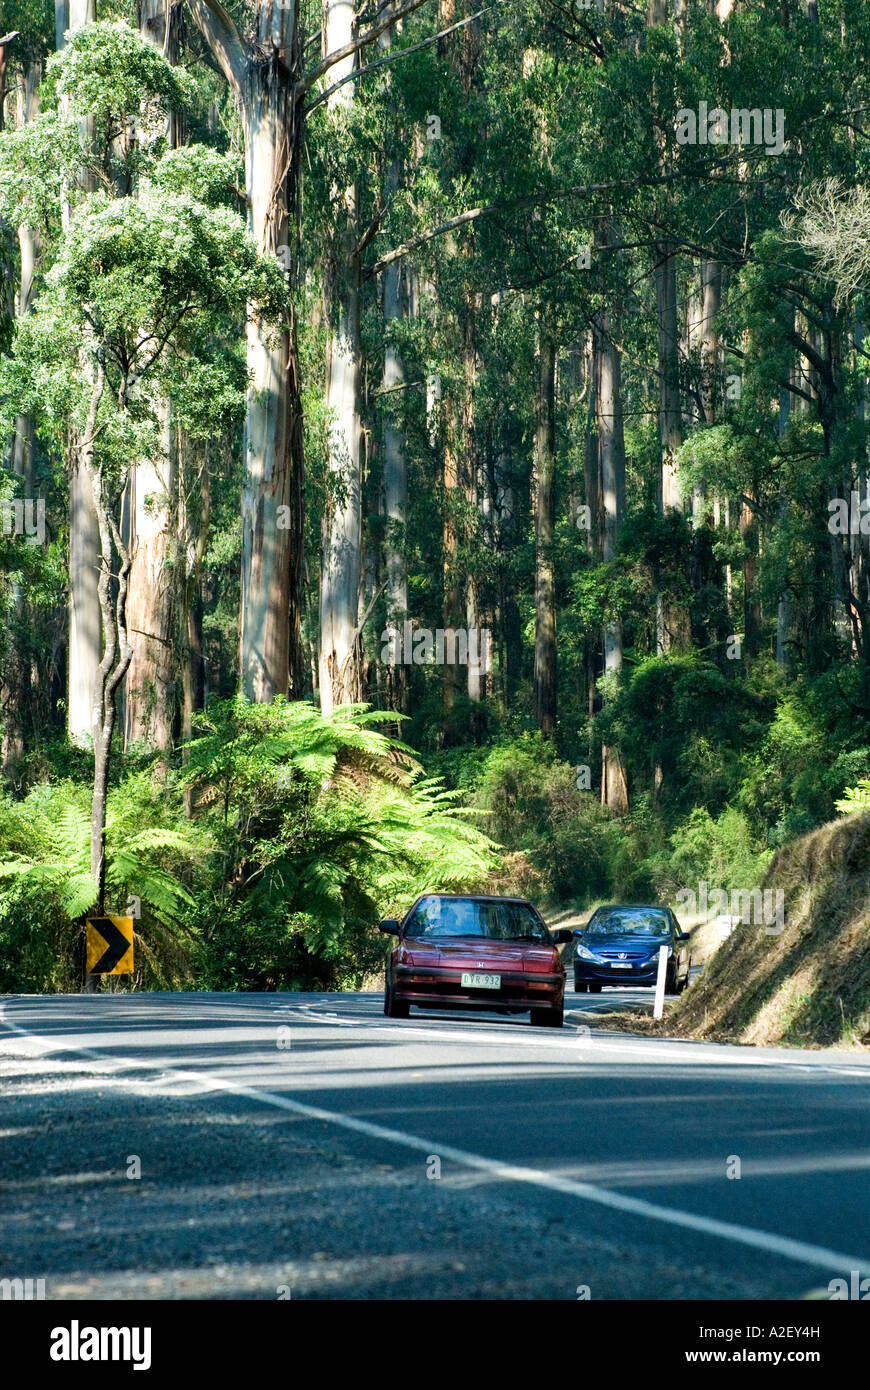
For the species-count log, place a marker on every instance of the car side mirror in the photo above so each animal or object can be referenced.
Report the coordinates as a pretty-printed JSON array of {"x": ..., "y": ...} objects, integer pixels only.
[
  {"x": 389, "y": 925},
  {"x": 563, "y": 936},
  {"x": 578, "y": 931},
  {"x": 684, "y": 936}
]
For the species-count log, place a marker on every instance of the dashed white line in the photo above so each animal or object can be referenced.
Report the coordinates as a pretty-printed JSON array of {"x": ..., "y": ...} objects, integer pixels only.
[{"x": 815, "y": 1256}]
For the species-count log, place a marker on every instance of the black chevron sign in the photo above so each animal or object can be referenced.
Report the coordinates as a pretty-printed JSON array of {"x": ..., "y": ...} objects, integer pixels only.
[{"x": 110, "y": 945}]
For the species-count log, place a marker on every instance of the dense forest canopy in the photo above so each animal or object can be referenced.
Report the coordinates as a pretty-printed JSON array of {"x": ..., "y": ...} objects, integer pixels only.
[{"x": 435, "y": 454}]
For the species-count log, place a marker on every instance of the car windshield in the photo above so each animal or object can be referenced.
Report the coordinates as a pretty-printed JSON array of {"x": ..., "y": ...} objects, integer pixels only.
[
  {"x": 635, "y": 921},
  {"x": 498, "y": 921}
]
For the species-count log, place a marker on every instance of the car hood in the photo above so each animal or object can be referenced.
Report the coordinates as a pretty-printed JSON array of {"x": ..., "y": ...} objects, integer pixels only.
[
  {"x": 473, "y": 953},
  {"x": 633, "y": 945}
]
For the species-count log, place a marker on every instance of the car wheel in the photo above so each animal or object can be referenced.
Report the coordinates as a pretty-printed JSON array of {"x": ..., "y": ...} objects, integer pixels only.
[
  {"x": 547, "y": 1018},
  {"x": 393, "y": 1007},
  {"x": 580, "y": 986},
  {"x": 594, "y": 989},
  {"x": 671, "y": 986}
]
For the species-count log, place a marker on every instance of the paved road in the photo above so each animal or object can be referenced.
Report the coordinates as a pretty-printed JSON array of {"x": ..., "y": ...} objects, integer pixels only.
[{"x": 291, "y": 1145}]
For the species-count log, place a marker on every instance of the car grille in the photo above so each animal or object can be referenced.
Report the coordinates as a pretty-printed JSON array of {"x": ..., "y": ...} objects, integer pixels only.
[{"x": 630, "y": 957}]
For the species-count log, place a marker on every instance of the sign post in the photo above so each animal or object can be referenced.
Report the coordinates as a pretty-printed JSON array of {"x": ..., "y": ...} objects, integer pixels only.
[{"x": 659, "y": 1007}]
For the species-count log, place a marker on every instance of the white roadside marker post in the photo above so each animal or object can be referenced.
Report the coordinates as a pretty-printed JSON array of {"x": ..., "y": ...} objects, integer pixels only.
[{"x": 659, "y": 1007}]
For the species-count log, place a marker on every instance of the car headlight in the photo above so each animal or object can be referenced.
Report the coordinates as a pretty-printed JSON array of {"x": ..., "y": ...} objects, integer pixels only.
[
  {"x": 655, "y": 954},
  {"x": 584, "y": 952}
]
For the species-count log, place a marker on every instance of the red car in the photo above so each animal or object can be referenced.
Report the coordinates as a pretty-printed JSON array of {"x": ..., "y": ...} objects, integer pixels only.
[{"x": 472, "y": 952}]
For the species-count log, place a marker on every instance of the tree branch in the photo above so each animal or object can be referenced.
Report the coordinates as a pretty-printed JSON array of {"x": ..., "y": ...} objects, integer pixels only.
[
  {"x": 225, "y": 44},
  {"x": 399, "y": 53},
  {"x": 362, "y": 41},
  {"x": 513, "y": 205}
]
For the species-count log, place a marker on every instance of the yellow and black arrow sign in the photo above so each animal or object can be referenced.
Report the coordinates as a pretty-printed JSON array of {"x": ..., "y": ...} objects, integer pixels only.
[{"x": 110, "y": 945}]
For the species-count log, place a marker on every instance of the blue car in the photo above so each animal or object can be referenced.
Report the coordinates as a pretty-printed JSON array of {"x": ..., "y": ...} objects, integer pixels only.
[{"x": 620, "y": 946}]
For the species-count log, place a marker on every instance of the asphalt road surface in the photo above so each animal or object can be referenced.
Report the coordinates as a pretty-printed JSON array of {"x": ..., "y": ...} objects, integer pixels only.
[{"x": 303, "y": 1146}]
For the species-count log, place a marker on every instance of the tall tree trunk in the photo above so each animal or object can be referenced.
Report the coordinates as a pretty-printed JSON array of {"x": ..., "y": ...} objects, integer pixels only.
[
  {"x": 270, "y": 660},
  {"x": 611, "y": 446},
  {"x": 450, "y": 477},
  {"x": 592, "y": 480},
  {"x": 860, "y": 545},
  {"x": 783, "y": 607},
  {"x": 545, "y": 514},
  {"x": 149, "y": 693},
  {"x": 670, "y": 415},
  {"x": 263, "y": 74},
  {"x": 84, "y": 630},
  {"x": 475, "y": 673},
  {"x": 16, "y": 693},
  {"x": 149, "y": 706},
  {"x": 671, "y": 622},
  {"x": 116, "y": 650},
  {"x": 340, "y": 680},
  {"x": 395, "y": 457},
  {"x": 672, "y": 619},
  {"x": 711, "y": 300}
]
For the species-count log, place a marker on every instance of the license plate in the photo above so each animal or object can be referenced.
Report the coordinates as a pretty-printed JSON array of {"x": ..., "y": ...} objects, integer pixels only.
[
  {"x": 620, "y": 965},
  {"x": 474, "y": 981}
]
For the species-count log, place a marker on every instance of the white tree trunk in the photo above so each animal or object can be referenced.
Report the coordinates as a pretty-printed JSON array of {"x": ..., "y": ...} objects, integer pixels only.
[
  {"x": 395, "y": 460},
  {"x": 15, "y": 691},
  {"x": 85, "y": 623},
  {"x": 611, "y": 453},
  {"x": 544, "y": 505},
  {"x": 711, "y": 299},
  {"x": 148, "y": 702},
  {"x": 262, "y": 72},
  {"x": 342, "y": 523}
]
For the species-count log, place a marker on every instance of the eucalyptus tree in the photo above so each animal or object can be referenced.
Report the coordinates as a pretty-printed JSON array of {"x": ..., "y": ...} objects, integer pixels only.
[
  {"x": 152, "y": 514},
  {"x": 261, "y": 56},
  {"x": 141, "y": 290},
  {"x": 341, "y": 561},
  {"x": 23, "y": 50},
  {"x": 83, "y": 631}
]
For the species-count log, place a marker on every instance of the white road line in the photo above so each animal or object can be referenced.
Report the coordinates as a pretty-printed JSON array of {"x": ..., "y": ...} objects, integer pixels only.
[
  {"x": 676, "y": 1052},
  {"x": 816, "y": 1256},
  {"x": 723, "y": 1054}
]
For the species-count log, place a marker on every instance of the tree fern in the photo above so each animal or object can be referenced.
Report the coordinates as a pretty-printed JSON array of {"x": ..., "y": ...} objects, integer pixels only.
[
  {"x": 59, "y": 821},
  {"x": 855, "y": 798}
]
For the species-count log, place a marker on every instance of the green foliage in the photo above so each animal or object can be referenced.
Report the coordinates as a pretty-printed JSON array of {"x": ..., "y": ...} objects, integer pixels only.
[
  {"x": 204, "y": 174},
  {"x": 681, "y": 726},
  {"x": 855, "y": 798},
  {"x": 785, "y": 787},
  {"x": 323, "y": 826},
  {"x": 37, "y": 161},
  {"x": 45, "y": 846},
  {"x": 53, "y": 822},
  {"x": 108, "y": 73},
  {"x": 558, "y": 129},
  {"x": 38, "y": 952},
  {"x": 721, "y": 852},
  {"x": 533, "y": 805},
  {"x": 150, "y": 289}
]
